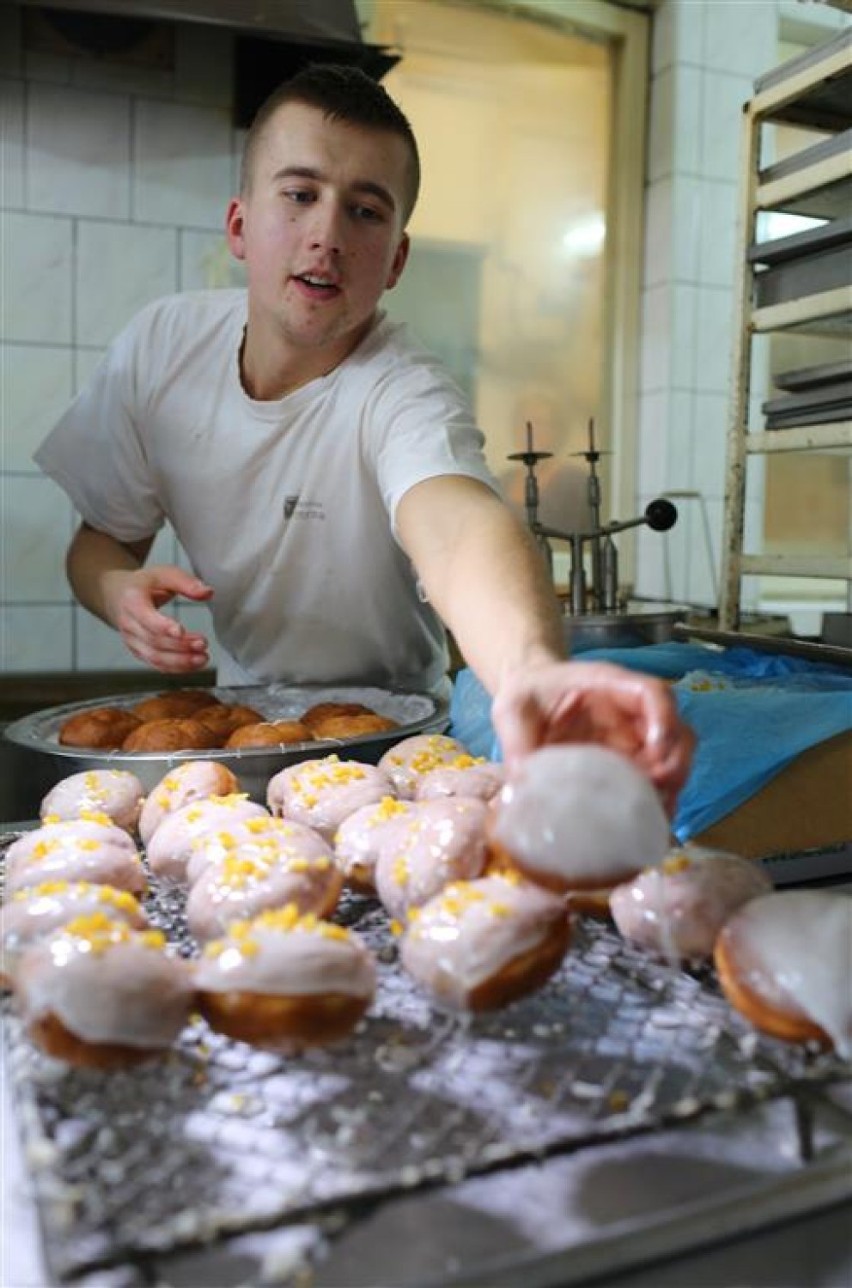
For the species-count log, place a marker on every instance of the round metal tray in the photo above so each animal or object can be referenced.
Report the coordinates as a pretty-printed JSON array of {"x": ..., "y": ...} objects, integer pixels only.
[{"x": 38, "y": 734}]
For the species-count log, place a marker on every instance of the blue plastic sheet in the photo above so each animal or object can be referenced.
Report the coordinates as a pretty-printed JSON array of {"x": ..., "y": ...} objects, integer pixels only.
[{"x": 752, "y": 712}]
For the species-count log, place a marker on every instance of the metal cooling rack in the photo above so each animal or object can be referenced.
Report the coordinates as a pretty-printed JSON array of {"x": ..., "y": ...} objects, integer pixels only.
[{"x": 220, "y": 1138}]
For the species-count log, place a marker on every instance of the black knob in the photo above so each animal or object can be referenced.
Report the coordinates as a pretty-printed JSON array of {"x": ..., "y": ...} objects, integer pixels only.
[{"x": 660, "y": 515}]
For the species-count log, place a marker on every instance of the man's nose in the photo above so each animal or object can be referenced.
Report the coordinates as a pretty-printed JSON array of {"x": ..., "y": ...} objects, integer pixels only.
[{"x": 327, "y": 232}]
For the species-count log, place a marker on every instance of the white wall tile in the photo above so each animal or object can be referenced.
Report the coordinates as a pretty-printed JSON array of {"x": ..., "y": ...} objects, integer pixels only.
[
  {"x": 719, "y": 206},
  {"x": 125, "y": 78},
  {"x": 204, "y": 65},
  {"x": 655, "y": 339},
  {"x": 658, "y": 233},
  {"x": 52, "y": 69},
  {"x": 78, "y": 152},
  {"x": 685, "y": 303},
  {"x": 97, "y": 647},
  {"x": 713, "y": 340},
  {"x": 36, "y": 528},
  {"x": 35, "y": 638},
  {"x": 705, "y": 552},
  {"x": 35, "y": 269},
  {"x": 662, "y": 36},
  {"x": 652, "y": 446},
  {"x": 709, "y": 441},
  {"x": 120, "y": 267},
  {"x": 677, "y": 466},
  {"x": 85, "y": 362},
  {"x": 687, "y": 119},
  {"x": 684, "y": 245},
  {"x": 11, "y": 143},
  {"x": 11, "y": 53},
  {"x": 721, "y": 133},
  {"x": 36, "y": 389},
  {"x": 740, "y": 36},
  {"x": 688, "y": 31},
  {"x": 206, "y": 262},
  {"x": 182, "y": 172}
]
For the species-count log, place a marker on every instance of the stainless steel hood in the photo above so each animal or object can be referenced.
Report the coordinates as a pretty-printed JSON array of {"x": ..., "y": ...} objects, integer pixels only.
[{"x": 272, "y": 38}]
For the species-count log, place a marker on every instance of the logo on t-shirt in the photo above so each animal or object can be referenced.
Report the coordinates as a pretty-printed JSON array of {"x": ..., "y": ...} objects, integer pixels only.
[{"x": 296, "y": 508}]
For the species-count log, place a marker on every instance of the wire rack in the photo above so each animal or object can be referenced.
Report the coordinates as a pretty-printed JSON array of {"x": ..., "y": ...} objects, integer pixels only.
[{"x": 220, "y": 1138}]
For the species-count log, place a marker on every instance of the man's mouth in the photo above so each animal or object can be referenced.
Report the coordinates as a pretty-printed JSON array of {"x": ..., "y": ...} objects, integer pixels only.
[{"x": 318, "y": 283}]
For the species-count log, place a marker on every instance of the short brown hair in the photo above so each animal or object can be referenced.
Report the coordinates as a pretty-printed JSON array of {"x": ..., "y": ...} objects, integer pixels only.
[{"x": 343, "y": 94}]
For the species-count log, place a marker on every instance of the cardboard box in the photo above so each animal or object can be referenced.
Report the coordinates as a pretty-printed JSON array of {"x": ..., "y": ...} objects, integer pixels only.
[{"x": 807, "y": 806}]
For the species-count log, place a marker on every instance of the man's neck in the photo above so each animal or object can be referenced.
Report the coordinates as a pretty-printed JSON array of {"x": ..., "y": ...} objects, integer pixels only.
[{"x": 271, "y": 371}]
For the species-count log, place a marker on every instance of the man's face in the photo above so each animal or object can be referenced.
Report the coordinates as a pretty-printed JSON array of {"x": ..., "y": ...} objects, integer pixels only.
[{"x": 320, "y": 228}]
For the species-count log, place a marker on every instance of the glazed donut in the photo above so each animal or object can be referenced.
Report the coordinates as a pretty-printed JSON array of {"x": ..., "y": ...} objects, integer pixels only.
[
  {"x": 269, "y": 733},
  {"x": 88, "y": 848},
  {"x": 579, "y": 817},
  {"x": 222, "y": 719},
  {"x": 339, "y": 727},
  {"x": 283, "y": 981},
  {"x": 360, "y": 835},
  {"x": 321, "y": 711},
  {"x": 171, "y": 846},
  {"x": 479, "y": 945},
  {"x": 114, "y": 792},
  {"x": 466, "y": 775},
  {"x": 408, "y": 760},
  {"x": 679, "y": 908},
  {"x": 175, "y": 733},
  {"x": 189, "y": 781},
  {"x": 785, "y": 961},
  {"x": 35, "y": 911},
  {"x": 438, "y": 841},
  {"x": 176, "y": 704},
  {"x": 283, "y": 863},
  {"x": 99, "y": 994},
  {"x": 321, "y": 793},
  {"x": 98, "y": 728}
]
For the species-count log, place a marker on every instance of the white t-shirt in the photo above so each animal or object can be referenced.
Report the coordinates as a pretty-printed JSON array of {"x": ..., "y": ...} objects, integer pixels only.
[{"x": 285, "y": 508}]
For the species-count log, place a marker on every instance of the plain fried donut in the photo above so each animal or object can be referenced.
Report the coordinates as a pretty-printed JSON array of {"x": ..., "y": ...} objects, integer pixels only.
[
  {"x": 222, "y": 719},
  {"x": 321, "y": 711},
  {"x": 579, "y": 817},
  {"x": 178, "y": 733},
  {"x": 175, "y": 704},
  {"x": 284, "y": 981},
  {"x": 97, "y": 993},
  {"x": 479, "y": 945},
  {"x": 438, "y": 841},
  {"x": 114, "y": 792},
  {"x": 269, "y": 733},
  {"x": 784, "y": 961},
  {"x": 98, "y": 728},
  {"x": 189, "y": 781},
  {"x": 679, "y": 908},
  {"x": 88, "y": 848},
  {"x": 340, "y": 727}
]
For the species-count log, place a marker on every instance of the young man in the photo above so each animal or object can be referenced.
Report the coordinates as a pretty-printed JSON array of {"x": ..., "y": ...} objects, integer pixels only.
[{"x": 322, "y": 473}]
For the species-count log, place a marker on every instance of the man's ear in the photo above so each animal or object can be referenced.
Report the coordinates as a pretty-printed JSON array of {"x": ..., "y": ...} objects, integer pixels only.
[
  {"x": 235, "y": 228},
  {"x": 398, "y": 262}
]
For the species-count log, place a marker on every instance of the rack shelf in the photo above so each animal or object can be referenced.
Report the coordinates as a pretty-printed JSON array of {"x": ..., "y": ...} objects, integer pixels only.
[{"x": 813, "y": 91}]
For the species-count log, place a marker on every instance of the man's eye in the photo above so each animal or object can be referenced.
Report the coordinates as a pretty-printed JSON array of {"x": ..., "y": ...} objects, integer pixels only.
[
  {"x": 367, "y": 213},
  {"x": 301, "y": 196}
]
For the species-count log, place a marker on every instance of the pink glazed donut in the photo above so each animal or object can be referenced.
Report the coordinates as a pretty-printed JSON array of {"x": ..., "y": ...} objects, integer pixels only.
[
  {"x": 321, "y": 793},
  {"x": 439, "y": 841},
  {"x": 89, "y": 848},
  {"x": 114, "y": 792}
]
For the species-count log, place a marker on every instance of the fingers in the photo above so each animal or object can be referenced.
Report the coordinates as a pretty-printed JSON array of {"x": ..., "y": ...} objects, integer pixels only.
[
  {"x": 597, "y": 702},
  {"x": 153, "y": 637}
]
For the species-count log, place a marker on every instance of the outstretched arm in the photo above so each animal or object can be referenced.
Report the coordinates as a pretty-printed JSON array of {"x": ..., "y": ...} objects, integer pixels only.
[
  {"x": 110, "y": 580},
  {"x": 485, "y": 577}
]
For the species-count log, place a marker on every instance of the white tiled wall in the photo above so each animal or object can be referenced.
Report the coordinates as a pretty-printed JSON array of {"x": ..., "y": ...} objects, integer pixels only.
[
  {"x": 706, "y": 55},
  {"x": 113, "y": 186}
]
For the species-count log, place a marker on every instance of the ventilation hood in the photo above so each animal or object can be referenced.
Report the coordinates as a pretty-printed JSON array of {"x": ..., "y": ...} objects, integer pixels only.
[{"x": 273, "y": 39}]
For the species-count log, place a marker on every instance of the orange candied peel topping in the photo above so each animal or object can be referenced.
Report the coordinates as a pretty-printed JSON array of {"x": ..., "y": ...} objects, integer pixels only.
[
  {"x": 96, "y": 816},
  {"x": 286, "y": 920},
  {"x": 677, "y": 862},
  {"x": 99, "y": 932}
]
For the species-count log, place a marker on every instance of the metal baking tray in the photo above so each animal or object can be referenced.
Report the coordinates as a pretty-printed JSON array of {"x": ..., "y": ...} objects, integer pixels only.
[
  {"x": 414, "y": 712},
  {"x": 221, "y": 1138}
]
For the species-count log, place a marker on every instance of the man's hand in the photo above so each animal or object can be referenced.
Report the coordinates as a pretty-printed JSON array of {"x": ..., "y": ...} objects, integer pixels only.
[
  {"x": 132, "y": 599},
  {"x": 601, "y": 703}
]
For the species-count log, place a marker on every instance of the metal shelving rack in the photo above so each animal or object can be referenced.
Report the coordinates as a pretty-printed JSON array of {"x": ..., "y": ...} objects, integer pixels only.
[{"x": 814, "y": 91}]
